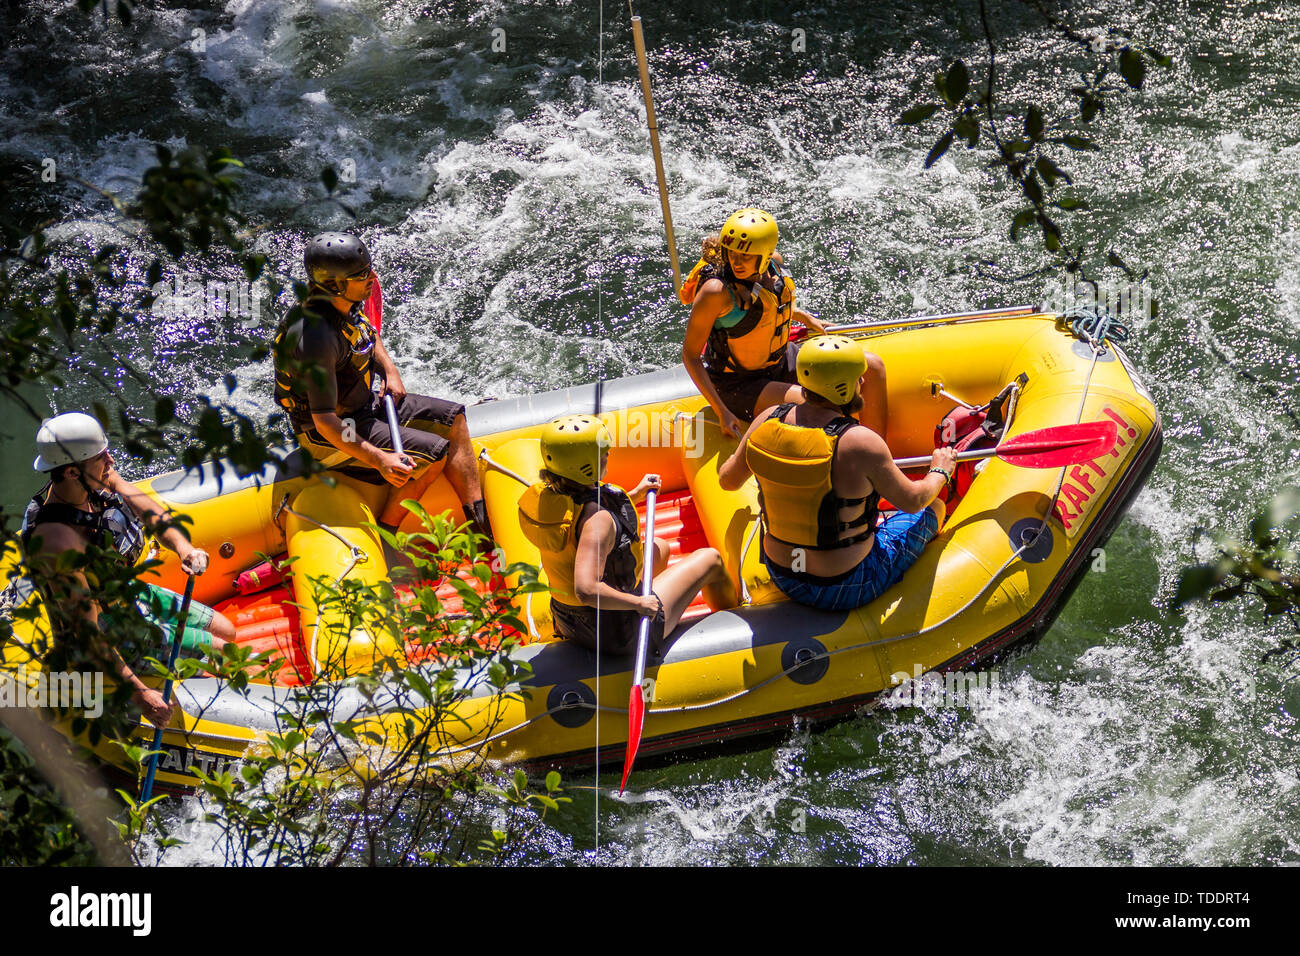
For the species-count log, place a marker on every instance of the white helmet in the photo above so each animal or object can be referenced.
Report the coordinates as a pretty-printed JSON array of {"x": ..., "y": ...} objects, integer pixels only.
[{"x": 68, "y": 439}]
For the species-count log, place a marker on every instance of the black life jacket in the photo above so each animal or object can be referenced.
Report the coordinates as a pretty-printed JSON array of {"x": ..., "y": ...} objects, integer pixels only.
[
  {"x": 552, "y": 520},
  {"x": 112, "y": 522},
  {"x": 355, "y": 363},
  {"x": 758, "y": 341},
  {"x": 623, "y": 566}
]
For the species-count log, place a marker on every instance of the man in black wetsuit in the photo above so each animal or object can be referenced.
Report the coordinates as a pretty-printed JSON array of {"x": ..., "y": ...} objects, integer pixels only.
[{"x": 326, "y": 358}]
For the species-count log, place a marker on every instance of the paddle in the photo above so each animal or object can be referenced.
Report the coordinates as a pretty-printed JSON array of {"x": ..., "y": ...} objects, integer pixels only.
[
  {"x": 636, "y": 698},
  {"x": 147, "y": 789},
  {"x": 1045, "y": 448},
  {"x": 392, "y": 427}
]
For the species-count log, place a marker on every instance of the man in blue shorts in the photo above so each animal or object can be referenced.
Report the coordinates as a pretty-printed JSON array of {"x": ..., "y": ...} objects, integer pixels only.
[{"x": 821, "y": 475}]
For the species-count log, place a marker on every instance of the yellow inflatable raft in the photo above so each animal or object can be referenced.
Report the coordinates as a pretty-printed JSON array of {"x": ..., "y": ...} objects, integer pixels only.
[{"x": 1007, "y": 559}]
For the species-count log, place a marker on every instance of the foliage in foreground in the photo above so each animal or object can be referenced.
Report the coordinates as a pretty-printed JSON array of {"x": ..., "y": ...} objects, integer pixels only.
[
  {"x": 1267, "y": 566},
  {"x": 387, "y": 783}
]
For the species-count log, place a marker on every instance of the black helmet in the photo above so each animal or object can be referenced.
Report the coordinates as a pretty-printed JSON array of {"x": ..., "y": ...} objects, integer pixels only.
[{"x": 334, "y": 257}]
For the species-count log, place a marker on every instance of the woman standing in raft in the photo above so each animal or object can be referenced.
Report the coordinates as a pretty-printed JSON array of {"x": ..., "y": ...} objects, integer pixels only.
[
  {"x": 591, "y": 548},
  {"x": 742, "y": 302}
]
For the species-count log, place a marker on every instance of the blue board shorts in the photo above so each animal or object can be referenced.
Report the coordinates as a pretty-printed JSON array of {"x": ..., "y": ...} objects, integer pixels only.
[{"x": 899, "y": 541}]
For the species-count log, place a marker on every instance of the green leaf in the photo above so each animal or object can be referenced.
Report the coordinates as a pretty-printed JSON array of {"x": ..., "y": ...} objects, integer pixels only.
[
  {"x": 1051, "y": 172},
  {"x": 553, "y": 781},
  {"x": 1023, "y": 218},
  {"x": 1113, "y": 258},
  {"x": 1132, "y": 67},
  {"x": 1034, "y": 123},
  {"x": 1227, "y": 594},
  {"x": 1032, "y": 190},
  {"x": 968, "y": 128},
  {"x": 1161, "y": 59},
  {"x": 941, "y": 86},
  {"x": 957, "y": 81},
  {"x": 1078, "y": 142},
  {"x": 1279, "y": 511},
  {"x": 1070, "y": 203},
  {"x": 918, "y": 114},
  {"x": 1195, "y": 583},
  {"x": 939, "y": 149}
]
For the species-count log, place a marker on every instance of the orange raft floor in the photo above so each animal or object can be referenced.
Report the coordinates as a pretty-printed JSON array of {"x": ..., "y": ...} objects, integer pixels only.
[{"x": 267, "y": 621}]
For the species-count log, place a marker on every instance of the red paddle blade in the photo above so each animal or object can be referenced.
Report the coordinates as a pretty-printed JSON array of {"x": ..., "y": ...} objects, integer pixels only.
[
  {"x": 1061, "y": 445},
  {"x": 635, "y": 721}
]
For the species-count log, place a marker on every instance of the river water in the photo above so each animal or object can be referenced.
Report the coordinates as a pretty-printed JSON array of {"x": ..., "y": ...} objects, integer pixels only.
[{"x": 497, "y": 159}]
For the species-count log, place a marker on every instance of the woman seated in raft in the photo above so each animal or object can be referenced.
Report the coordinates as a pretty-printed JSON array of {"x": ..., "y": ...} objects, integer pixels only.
[
  {"x": 591, "y": 548},
  {"x": 742, "y": 302}
]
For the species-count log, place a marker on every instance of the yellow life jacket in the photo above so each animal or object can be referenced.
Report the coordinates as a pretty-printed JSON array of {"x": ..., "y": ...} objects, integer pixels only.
[
  {"x": 793, "y": 465},
  {"x": 703, "y": 271},
  {"x": 759, "y": 339},
  {"x": 549, "y": 519}
]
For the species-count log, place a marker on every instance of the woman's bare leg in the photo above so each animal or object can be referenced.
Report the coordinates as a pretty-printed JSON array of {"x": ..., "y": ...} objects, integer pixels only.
[{"x": 678, "y": 585}]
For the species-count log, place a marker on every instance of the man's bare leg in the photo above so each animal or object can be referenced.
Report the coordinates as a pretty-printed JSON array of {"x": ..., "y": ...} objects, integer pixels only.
[
  {"x": 462, "y": 472},
  {"x": 462, "y": 467},
  {"x": 393, "y": 512}
]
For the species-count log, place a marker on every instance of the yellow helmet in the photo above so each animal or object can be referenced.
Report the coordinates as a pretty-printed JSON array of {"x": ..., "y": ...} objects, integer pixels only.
[
  {"x": 830, "y": 366},
  {"x": 574, "y": 447},
  {"x": 751, "y": 232}
]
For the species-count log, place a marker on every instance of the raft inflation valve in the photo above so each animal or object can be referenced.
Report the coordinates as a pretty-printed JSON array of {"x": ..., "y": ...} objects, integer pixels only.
[
  {"x": 805, "y": 661},
  {"x": 1022, "y": 535},
  {"x": 572, "y": 705}
]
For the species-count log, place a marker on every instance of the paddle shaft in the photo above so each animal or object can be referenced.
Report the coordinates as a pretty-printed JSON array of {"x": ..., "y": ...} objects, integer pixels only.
[
  {"x": 921, "y": 461},
  {"x": 636, "y": 695},
  {"x": 648, "y": 552},
  {"x": 146, "y": 791},
  {"x": 392, "y": 425}
]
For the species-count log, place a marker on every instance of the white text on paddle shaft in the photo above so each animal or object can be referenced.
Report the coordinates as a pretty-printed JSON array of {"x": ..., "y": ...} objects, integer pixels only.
[
  {"x": 77, "y": 909},
  {"x": 76, "y": 690}
]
